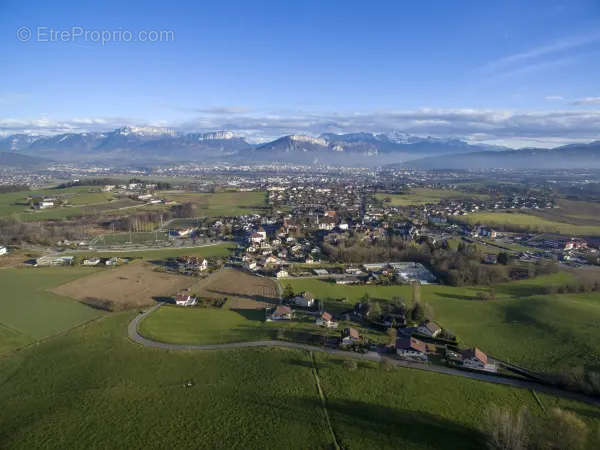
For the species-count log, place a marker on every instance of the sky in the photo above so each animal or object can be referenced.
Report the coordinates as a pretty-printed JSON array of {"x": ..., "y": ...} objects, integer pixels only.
[{"x": 511, "y": 73}]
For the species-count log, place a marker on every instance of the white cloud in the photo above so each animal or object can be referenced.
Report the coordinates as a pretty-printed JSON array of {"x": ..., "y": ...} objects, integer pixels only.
[
  {"x": 548, "y": 50},
  {"x": 587, "y": 101},
  {"x": 553, "y": 97}
]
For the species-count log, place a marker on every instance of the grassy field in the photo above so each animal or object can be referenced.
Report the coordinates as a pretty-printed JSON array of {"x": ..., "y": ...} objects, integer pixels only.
[
  {"x": 208, "y": 251},
  {"x": 28, "y": 312},
  {"x": 573, "y": 212},
  {"x": 147, "y": 237},
  {"x": 94, "y": 388},
  {"x": 544, "y": 332},
  {"x": 531, "y": 222},
  {"x": 421, "y": 196},
  {"x": 222, "y": 203}
]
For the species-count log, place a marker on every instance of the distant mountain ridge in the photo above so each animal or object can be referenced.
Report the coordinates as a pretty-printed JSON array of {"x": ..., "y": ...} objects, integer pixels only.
[
  {"x": 156, "y": 145},
  {"x": 572, "y": 156}
]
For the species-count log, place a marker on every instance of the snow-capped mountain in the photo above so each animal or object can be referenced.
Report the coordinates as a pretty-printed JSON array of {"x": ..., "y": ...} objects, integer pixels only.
[{"x": 163, "y": 144}]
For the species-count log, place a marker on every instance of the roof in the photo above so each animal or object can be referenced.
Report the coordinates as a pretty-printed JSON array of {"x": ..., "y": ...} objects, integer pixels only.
[
  {"x": 308, "y": 295},
  {"x": 326, "y": 316},
  {"x": 352, "y": 332},
  {"x": 475, "y": 353},
  {"x": 411, "y": 343},
  {"x": 281, "y": 309},
  {"x": 431, "y": 326}
]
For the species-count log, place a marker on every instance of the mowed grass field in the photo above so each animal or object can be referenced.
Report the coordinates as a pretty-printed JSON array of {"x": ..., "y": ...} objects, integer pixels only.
[
  {"x": 422, "y": 196},
  {"x": 29, "y": 312},
  {"x": 523, "y": 326},
  {"x": 531, "y": 222},
  {"x": 94, "y": 388},
  {"x": 222, "y": 203},
  {"x": 207, "y": 251}
]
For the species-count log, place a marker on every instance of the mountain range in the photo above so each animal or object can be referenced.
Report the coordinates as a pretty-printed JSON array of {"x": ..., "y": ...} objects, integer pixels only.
[
  {"x": 159, "y": 145},
  {"x": 152, "y": 145}
]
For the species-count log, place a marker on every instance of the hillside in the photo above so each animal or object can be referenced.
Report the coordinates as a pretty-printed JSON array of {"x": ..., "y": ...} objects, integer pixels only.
[{"x": 574, "y": 156}]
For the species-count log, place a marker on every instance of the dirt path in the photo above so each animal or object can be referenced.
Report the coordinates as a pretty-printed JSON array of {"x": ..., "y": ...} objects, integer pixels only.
[{"x": 133, "y": 334}]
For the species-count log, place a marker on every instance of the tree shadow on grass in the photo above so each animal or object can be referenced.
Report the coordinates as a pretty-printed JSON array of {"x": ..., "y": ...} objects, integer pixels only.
[
  {"x": 461, "y": 297},
  {"x": 362, "y": 424},
  {"x": 160, "y": 299},
  {"x": 258, "y": 298},
  {"x": 251, "y": 314}
]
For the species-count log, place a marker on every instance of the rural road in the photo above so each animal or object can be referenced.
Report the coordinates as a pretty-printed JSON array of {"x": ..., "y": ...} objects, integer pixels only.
[{"x": 134, "y": 335}]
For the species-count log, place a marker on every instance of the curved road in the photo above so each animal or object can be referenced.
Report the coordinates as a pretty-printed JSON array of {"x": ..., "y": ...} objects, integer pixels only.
[{"x": 134, "y": 335}]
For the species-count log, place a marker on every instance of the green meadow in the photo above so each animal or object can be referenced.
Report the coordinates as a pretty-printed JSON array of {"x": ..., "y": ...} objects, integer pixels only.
[
  {"x": 522, "y": 325},
  {"x": 28, "y": 312},
  {"x": 531, "y": 222},
  {"x": 93, "y": 388},
  {"x": 422, "y": 196},
  {"x": 222, "y": 203}
]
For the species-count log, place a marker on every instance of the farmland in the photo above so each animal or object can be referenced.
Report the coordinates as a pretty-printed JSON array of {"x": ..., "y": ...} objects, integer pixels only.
[
  {"x": 531, "y": 222},
  {"x": 522, "y": 325},
  {"x": 130, "y": 286},
  {"x": 29, "y": 312},
  {"x": 421, "y": 196},
  {"x": 141, "y": 397},
  {"x": 206, "y": 251},
  {"x": 222, "y": 203}
]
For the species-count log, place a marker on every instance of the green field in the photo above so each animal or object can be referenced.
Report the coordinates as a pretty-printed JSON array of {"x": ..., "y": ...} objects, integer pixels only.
[
  {"x": 222, "y": 203},
  {"x": 219, "y": 326},
  {"x": 422, "y": 196},
  {"x": 208, "y": 251},
  {"x": 29, "y": 313},
  {"x": 522, "y": 325},
  {"x": 530, "y": 222},
  {"x": 93, "y": 388}
]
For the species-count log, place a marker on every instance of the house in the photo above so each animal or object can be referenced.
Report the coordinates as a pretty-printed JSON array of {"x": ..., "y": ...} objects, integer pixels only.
[
  {"x": 410, "y": 347},
  {"x": 54, "y": 261},
  {"x": 282, "y": 313},
  {"x": 185, "y": 300},
  {"x": 184, "y": 232},
  {"x": 91, "y": 262},
  {"x": 108, "y": 188},
  {"x": 306, "y": 299},
  {"x": 473, "y": 358},
  {"x": 321, "y": 272},
  {"x": 44, "y": 204},
  {"x": 3, "y": 250},
  {"x": 350, "y": 336},
  {"x": 282, "y": 274},
  {"x": 429, "y": 328},
  {"x": 204, "y": 265},
  {"x": 326, "y": 320},
  {"x": 256, "y": 238},
  {"x": 112, "y": 261}
]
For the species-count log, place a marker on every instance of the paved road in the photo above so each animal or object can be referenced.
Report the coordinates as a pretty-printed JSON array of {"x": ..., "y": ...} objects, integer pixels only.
[{"x": 132, "y": 331}]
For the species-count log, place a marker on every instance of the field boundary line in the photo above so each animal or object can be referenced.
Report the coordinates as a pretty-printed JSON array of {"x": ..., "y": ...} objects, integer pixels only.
[
  {"x": 315, "y": 373},
  {"x": 48, "y": 338}
]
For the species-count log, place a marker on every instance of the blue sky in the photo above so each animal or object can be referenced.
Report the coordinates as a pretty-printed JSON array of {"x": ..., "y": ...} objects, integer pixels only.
[{"x": 515, "y": 73}]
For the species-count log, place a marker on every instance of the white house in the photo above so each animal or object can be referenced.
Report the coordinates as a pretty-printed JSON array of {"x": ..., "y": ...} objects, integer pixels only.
[
  {"x": 91, "y": 262},
  {"x": 326, "y": 320},
  {"x": 306, "y": 299},
  {"x": 410, "y": 347},
  {"x": 3, "y": 250},
  {"x": 204, "y": 265},
  {"x": 429, "y": 328},
  {"x": 44, "y": 204},
  {"x": 282, "y": 274},
  {"x": 185, "y": 300}
]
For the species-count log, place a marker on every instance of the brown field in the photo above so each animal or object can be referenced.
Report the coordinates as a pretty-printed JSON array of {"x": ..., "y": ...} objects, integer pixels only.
[
  {"x": 129, "y": 286},
  {"x": 17, "y": 258},
  {"x": 243, "y": 290}
]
